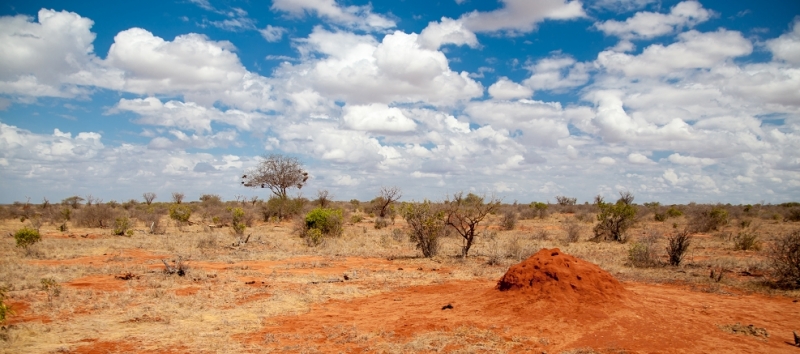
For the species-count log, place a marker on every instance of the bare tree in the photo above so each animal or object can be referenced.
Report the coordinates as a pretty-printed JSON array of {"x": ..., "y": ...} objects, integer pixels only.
[
  {"x": 254, "y": 199},
  {"x": 177, "y": 197},
  {"x": 464, "y": 213},
  {"x": 386, "y": 197},
  {"x": 324, "y": 197},
  {"x": 565, "y": 201},
  {"x": 278, "y": 173},
  {"x": 149, "y": 197}
]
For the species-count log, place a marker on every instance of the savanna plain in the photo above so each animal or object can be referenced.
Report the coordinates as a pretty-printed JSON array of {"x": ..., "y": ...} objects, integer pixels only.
[{"x": 322, "y": 276}]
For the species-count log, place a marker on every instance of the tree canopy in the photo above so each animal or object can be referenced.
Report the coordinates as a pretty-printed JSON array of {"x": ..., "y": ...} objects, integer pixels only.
[{"x": 278, "y": 173}]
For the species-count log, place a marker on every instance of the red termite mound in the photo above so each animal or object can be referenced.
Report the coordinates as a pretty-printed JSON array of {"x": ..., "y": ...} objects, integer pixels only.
[{"x": 553, "y": 275}]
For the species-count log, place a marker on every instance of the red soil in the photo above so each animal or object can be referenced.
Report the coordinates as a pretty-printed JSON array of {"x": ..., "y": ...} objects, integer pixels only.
[{"x": 553, "y": 275}]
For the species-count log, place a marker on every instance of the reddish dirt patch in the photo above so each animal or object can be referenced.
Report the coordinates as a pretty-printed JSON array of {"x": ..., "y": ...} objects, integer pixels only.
[
  {"x": 129, "y": 256},
  {"x": 553, "y": 275},
  {"x": 188, "y": 291},
  {"x": 98, "y": 282},
  {"x": 21, "y": 313},
  {"x": 101, "y": 347},
  {"x": 544, "y": 315}
]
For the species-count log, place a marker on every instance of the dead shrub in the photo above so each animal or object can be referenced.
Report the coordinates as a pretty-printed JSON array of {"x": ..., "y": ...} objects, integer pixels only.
[
  {"x": 541, "y": 235},
  {"x": 152, "y": 222},
  {"x": 643, "y": 253},
  {"x": 708, "y": 220},
  {"x": 677, "y": 246},
  {"x": 574, "y": 231},
  {"x": 784, "y": 260},
  {"x": 509, "y": 221},
  {"x": 95, "y": 215},
  {"x": 747, "y": 240}
]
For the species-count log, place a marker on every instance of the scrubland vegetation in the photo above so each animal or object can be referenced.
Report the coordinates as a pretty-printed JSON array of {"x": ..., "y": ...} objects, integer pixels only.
[{"x": 212, "y": 247}]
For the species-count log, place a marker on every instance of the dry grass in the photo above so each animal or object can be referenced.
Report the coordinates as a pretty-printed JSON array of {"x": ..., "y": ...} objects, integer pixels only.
[{"x": 206, "y": 310}]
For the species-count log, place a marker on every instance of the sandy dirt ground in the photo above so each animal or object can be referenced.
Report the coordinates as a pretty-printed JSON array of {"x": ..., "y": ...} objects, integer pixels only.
[{"x": 278, "y": 295}]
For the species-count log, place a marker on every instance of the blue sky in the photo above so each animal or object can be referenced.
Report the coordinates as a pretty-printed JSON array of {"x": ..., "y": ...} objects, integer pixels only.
[{"x": 674, "y": 101}]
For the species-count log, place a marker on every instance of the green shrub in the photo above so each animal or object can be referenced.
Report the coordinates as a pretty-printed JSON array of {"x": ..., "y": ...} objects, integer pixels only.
[
  {"x": 5, "y": 309},
  {"x": 540, "y": 209},
  {"x": 709, "y": 220},
  {"x": 355, "y": 219},
  {"x": 326, "y": 222},
  {"x": 237, "y": 215},
  {"x": 279, "y": 209},
  {"x": 122, "y": 225},
  {"x": 615, "y": 219},
  {"x": 51, "y": 287},
  {"x": 427, "y": 223},
  {"x": 26, "y": 237},
  {"x": 180, "y": 212},
  {"x": 674, "y": 212},
  {"x": 660, "y": 217}
]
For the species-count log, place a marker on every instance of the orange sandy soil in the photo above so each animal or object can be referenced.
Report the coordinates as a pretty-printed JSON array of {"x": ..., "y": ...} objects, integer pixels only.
[{"x": 613, "y": 317}]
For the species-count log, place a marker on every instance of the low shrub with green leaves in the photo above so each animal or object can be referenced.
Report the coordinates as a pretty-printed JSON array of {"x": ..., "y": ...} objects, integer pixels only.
[
  {"x": 123, "y": 226},
  {"x": 26, "y": 237},
  {"x": 237, "y": 222},
  {"x": 5, "y": 309},
  {"x": 615, "y": 219},
  {"x": 180, "y": 212},
  {"x": 427, "y": 225},
  {"x": 322, "y": 222}
]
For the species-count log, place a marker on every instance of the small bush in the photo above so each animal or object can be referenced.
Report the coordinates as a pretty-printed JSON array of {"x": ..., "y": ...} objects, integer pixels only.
[
  {"x": 180, "y": 212},
  {"x": 5, "y": 309},
  {"x": 793, "y": 214},
  {"x": 122, "y": 225},
  {"x": 237, "y": 222},
  {"x": 709, "y": 220},
  {"x": 541, "y": 235},
  {"x": 509, "y": 221},
  {"x": 615, "y": 219},
  {"x": 95, "y": 215},
  {"x": 427, "y": 225},
  {"x": 674, "y": 212},
  {"x": 784, "y": 260},
  {"x": 356, "y": 218},
  {"x": 747, "y": 240},
  {"x": 279, "y": 209},
  {"x": 152, "y": 222},
  {"x": 26, "y": 237},
  {"x": 677, "y": 246},
  {"x": 574, "y": 230},
  {"x": 540, "y": 209},
  {"x": 322, "y": 222},
  {"x": 380, "y": 223},
  {"x": 660, "y": 217},
  {"x": 51, "y": 288},
  {"x": 643, "y": 252}
]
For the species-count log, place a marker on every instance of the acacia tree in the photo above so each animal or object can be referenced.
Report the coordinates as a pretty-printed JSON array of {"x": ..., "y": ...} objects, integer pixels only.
[
  {"x": 464, "y": 213},
  {"x": 148, "y": 197},
  {"x": 278, "y": 173},
  {"x": 614, "y": 218},
  {"x": 386, "y": 197}
]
